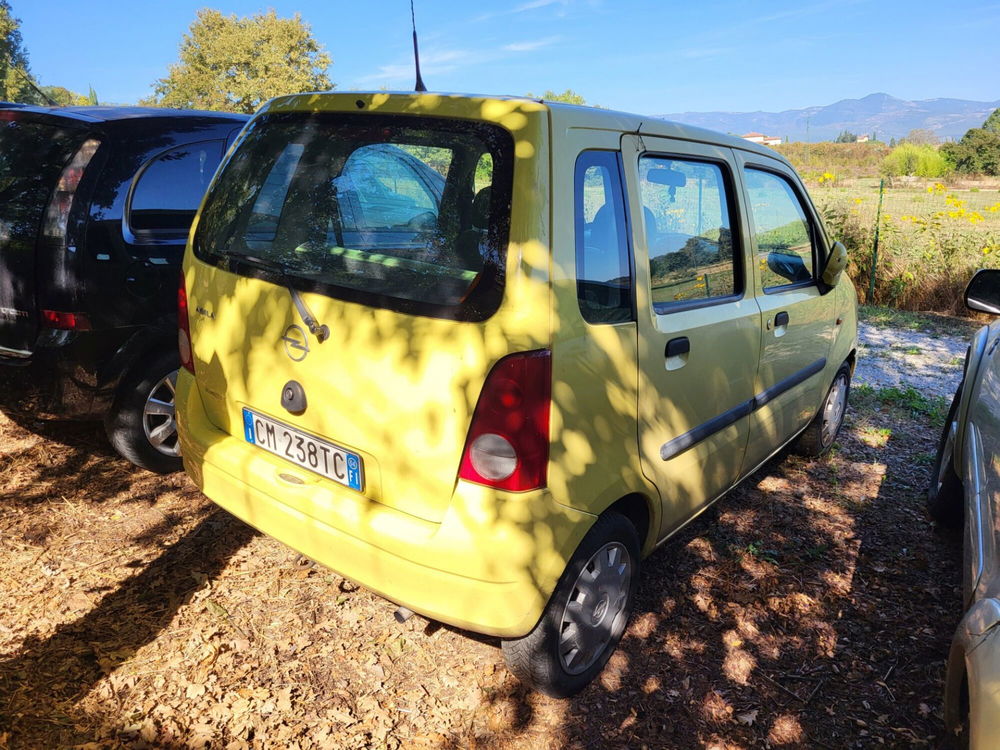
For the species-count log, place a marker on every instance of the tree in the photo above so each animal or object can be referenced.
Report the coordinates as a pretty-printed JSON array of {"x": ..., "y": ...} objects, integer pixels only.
[
  {"x": 922, "y": 137},
  {"x": 846, "y": 136},
  {"x": 977, "y": 153},
  {"x": 63, "y": 97},
  {"x": 236, "y": 64},
  {"x": 568, "y": 96},
  {"x": 15, "y": 76},
  {"x": 992, "y": 123}
]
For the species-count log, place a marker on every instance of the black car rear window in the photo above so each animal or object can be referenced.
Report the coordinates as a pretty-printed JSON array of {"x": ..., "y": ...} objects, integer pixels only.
[
  {"x": 406, "y": 213},
  {"x": 32, "y": 156}
]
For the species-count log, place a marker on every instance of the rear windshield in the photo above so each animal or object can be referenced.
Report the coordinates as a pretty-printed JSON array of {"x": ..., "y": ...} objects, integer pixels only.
[
  {"x": 32, "y": 156},
  {"x": 407, "y": 213}
]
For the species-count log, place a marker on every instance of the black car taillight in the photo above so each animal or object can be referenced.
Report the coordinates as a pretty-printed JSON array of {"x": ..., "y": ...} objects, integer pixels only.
[
  {"x": 57, "y": 212},
  {"x": 65, "y": 321}
]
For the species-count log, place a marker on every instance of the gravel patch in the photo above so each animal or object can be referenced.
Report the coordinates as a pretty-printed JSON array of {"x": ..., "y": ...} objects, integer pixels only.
[{"x": 929, "y": 362}]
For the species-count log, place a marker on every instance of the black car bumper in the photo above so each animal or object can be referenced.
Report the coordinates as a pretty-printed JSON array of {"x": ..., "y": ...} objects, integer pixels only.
[{"x": 69, "y": 375}]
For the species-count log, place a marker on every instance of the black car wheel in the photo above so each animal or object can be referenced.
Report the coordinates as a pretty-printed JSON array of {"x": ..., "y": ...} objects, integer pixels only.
[
  {"x": 945, "y": 497},
  {"x": 586, "y": 614},
  {"x": 817, "y": 438},
  {"x": 142, "y": 424}
]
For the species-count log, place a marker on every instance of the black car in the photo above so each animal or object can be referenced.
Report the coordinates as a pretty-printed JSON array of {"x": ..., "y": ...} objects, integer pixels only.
[{"x": 95, "y": 207}]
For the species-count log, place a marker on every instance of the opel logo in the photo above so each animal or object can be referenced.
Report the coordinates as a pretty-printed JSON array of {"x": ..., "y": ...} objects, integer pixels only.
[{"x": 296, "y": 343}]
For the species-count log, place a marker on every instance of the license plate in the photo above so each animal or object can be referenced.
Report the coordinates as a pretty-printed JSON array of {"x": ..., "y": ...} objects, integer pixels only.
[{"x": 302, "y": 449}]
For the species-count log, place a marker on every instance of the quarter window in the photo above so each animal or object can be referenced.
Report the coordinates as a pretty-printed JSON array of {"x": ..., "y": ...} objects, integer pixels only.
[
  {"x": 603, "y": 273},
  {"x": 781, "y": 231},
  {"x": 686, "y": 215},
  {"x": 170, "y": 189}
]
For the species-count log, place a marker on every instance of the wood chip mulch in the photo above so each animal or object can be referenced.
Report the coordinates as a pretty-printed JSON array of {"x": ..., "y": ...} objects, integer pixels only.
[{"x": 811, "y": 607}]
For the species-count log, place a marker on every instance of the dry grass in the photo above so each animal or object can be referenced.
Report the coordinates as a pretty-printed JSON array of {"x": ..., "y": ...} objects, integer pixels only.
[
  {"x": 136, "y": 615},
  {"x": 931, "y": 239}
]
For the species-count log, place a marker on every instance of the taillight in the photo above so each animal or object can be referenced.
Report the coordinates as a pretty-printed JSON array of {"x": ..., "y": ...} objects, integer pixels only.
[
  {"x": 57, "y": 213},
  {"x": 65, "y": 321},
  {"x": 184, "y": 328},
  {"x": 508, "y": 442}
]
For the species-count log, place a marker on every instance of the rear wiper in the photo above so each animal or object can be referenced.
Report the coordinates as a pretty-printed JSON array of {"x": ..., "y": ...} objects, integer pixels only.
[{"x": 321, "y": 332}]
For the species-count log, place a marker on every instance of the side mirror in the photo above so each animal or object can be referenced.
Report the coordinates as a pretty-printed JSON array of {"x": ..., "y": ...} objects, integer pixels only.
[
  {"x": 836, "y": 262},
  {"x": 788, "y": 266},
  {"x": 983, "y": 291}
]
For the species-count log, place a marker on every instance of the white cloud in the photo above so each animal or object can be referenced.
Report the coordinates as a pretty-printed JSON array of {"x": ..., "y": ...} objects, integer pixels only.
[
  {"x": 534, "y": 4},
  {"x": 523, "y": 8},
  {"x": 431, "y": 62},
  {"x": 530, "y": 46}
]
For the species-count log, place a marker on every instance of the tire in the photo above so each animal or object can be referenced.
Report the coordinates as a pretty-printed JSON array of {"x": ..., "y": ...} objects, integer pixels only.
[
  {"x": 945, "y": 495},
  {"x": 817, "y": 438},
  {"x": 141, "y": 425},
  {"x": 549, "y": 659}
]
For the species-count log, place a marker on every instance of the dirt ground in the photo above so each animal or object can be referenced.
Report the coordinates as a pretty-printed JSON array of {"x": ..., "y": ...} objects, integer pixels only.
[{"x": 811, "y": 607}]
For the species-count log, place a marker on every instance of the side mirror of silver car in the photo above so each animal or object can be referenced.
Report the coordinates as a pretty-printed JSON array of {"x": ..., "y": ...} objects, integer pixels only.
[{"x": 983, "y": 291}]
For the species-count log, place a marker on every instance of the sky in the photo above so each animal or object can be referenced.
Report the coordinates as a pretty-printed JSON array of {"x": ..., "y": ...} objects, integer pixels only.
[{"x": 654, "y": 57}]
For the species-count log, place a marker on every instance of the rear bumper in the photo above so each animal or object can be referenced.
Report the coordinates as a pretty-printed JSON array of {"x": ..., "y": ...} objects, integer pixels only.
[
  {"x": 489, "y": 566},
  {"x": 76, "y": 374}
]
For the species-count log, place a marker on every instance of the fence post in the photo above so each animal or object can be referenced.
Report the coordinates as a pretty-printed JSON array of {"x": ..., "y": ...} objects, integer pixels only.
[{"x": 878, "y": 222}]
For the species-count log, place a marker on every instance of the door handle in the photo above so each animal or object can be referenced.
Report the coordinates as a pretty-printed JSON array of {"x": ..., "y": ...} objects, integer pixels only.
[
  {"x": 677, "y": 347},
  {"x": 781, "y": 319}
]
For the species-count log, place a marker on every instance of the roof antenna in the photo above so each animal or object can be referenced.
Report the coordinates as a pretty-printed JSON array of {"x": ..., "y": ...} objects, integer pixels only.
[
  {"x": 27, "y": 79},
  {"x": 416, "y": 53}
]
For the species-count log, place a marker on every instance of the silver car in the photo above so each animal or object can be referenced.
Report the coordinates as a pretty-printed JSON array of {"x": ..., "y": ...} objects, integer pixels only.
[{"x": 965, "y": 491}]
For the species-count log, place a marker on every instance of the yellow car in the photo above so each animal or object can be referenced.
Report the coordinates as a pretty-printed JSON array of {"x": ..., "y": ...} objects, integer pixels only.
[{"x": 481, "y": 355}]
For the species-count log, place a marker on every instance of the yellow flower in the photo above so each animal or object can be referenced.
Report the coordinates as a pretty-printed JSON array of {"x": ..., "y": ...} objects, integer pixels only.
[
  {"x": 975, "y": 217},
  {"x": 859, "y": 200}
]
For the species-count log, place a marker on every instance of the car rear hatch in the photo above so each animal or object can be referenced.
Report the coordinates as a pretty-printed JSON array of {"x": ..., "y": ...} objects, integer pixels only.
[
  {"x": 350, "y": 282},
  {"x": 42, "y": 159}
]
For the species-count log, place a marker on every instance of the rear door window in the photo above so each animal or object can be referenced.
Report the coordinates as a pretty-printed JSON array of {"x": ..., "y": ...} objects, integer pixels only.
[
  {"x": 170, "y": 188},
  {"x": 400, "y": 212}
]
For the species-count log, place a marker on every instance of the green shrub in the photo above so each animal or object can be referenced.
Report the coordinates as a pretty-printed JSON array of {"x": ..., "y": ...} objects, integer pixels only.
[{"x": 913, "y": 159}]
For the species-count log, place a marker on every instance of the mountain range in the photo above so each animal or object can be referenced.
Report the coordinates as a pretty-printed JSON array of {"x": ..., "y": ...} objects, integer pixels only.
[{"x": 883, "y": 115}]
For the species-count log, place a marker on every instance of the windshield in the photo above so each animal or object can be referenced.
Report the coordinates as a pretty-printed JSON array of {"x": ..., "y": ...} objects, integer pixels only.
[{"x": 406, "y": 213}]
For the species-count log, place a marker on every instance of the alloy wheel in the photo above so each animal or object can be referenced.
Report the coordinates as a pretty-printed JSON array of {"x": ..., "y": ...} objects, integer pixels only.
[{"x": 159, "y": 417}]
